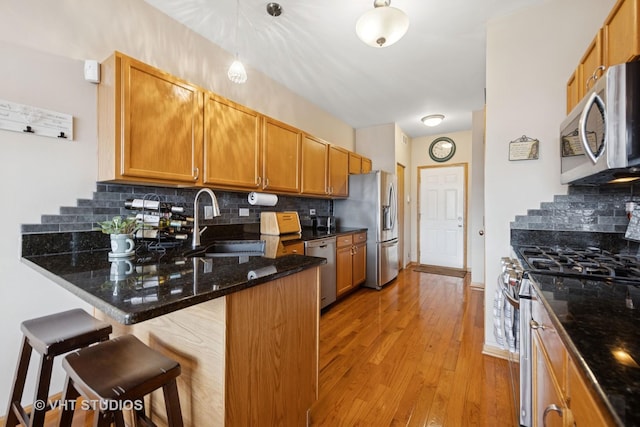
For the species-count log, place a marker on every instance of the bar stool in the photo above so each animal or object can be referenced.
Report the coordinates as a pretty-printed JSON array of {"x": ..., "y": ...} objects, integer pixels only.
[
  {"x": 50, "y": 336},
  {"x": 116, "y": 375}
]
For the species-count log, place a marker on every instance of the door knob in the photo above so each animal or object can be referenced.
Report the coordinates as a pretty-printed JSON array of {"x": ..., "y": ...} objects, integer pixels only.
[{"x": 481, "y": 232}]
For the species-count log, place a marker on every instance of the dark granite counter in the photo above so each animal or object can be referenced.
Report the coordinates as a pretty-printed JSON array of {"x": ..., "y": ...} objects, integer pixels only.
[
  {"x": 150, "y": 283},
  {"x": 598, "y": 322}
]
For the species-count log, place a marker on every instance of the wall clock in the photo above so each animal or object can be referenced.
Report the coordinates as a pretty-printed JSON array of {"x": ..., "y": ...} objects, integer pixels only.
[{"x": 442, "y": 149}]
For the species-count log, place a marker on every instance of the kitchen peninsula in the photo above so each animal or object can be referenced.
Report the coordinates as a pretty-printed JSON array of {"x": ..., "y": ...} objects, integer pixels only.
[{"x": 243, "y": 328}]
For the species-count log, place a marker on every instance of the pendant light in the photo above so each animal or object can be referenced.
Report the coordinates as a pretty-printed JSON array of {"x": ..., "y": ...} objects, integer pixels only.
[
  {"x": 237, "y": 73},
  {"x": 382, "y": 26}
]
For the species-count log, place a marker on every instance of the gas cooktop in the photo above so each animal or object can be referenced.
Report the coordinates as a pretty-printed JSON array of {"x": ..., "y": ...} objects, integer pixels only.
[{"x": 587, "y": 263}]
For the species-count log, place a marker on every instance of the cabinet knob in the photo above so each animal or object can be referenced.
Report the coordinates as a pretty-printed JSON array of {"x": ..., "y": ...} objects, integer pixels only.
[{"x": 196, "y": 173}]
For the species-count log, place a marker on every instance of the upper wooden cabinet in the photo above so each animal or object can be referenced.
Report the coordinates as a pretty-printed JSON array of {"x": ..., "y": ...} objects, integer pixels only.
[
  {"x": 314, "y": 166},
  {"x": 338, "y": 172},
  {"x": 281, "y": 148},
  {"x": 232, "y": 144},
  {"x": 617, "y": 42},
  {"x": 622, "y": 33},
  {"x": 366, "y": 165},
  {"x": 358, "y": 164},
  {"x": 149, "y": 125}
]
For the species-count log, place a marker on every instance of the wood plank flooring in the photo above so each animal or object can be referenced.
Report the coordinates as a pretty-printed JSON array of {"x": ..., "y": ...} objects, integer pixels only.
[{"x": 410, "y": 355}]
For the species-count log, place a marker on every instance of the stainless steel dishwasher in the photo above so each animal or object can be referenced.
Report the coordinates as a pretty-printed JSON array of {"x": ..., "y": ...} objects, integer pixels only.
[{"x": 324, "y": 248}]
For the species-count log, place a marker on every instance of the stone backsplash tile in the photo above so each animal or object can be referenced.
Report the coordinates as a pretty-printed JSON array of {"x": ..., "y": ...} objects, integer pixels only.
[
  {"x": 585, "y": 208},
  {"x": 108, "y": 201}
]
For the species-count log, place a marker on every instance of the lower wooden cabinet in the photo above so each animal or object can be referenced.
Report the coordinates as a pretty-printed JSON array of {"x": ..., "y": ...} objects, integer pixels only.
[
  {"x": 351, "y": 261},
  {"x": 561, "y": 395}
]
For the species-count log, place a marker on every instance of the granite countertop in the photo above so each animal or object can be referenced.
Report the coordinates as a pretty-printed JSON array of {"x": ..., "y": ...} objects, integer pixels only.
[
  {"x": 151, "y": 283},
  {"x": 599, "y": 322}
]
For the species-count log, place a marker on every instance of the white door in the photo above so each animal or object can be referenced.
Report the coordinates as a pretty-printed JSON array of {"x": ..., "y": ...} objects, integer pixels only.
[{"x": 441, "y": 216}]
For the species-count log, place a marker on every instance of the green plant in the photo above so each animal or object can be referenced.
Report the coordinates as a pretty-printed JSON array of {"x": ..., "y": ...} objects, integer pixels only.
[{"x": 119, "y": 225}]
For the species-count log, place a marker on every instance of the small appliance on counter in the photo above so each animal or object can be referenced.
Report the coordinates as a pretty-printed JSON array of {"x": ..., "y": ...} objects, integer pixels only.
[
  {"x": 277, "y": 223},
  {"x": 326, "y": 223}
]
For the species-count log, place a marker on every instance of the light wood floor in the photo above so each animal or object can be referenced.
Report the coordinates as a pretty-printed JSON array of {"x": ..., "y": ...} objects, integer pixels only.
[
  {"x": 408, "y": 355},
  {"x": 411, "y": 355}
]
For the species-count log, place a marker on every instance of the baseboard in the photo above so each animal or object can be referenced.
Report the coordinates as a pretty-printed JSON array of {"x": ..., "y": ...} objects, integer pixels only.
[
  {"x": 478, "y": 286},
  {"x": 493, "y": 351}
]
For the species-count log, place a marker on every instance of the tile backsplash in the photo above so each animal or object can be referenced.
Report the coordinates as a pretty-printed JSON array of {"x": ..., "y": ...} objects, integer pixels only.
[
  {"x": 584, "y": 208},
  {"x": 108, "y": 201}
]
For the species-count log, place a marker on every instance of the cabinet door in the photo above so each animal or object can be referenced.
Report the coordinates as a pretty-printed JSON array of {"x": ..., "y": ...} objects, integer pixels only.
[
  {"x": 355, "y": 163},
  {"x": 231, "y": 144},
  {"x": 586, "y": 411},
  {"x": 573, "y": 92},
  {"x": 344, "y": 270},
  {"x": 281, "y": 157},
  {"x": 589, "y": 69},
  {"x": 622, "y": 32},
  {"x": 366, "y": 165},
  {"x": 548, "y": 406},
  {"x": 161, "y": 124},
  {"x": 314, "y": 166},
  {"x": 338, "y": 171},
  {"x": 359, "y": 263}
]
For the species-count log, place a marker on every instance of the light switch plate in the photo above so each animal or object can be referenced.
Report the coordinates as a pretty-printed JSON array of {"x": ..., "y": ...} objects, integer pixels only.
[{"x": 92, "y": 71}]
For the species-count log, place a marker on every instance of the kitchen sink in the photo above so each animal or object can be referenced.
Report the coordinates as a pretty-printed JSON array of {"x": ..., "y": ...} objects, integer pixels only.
[{"x": 221, "y": 248}]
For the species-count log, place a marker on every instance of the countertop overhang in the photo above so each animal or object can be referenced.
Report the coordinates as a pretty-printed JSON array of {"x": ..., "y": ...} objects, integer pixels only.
[{"x": 150, "y": 283}]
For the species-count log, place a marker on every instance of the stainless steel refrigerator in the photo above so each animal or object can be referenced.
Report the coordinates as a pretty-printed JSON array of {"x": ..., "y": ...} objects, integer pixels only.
[{"x": 373, "y": 203}]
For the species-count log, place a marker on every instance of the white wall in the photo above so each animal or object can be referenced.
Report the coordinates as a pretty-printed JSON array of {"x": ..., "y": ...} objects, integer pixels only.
[
  {"x": 420, "y": 157},
  {"x": 38, "y": 175},
  {"x": 530, "y": 56},
  {"x": 43, "y": 45}
]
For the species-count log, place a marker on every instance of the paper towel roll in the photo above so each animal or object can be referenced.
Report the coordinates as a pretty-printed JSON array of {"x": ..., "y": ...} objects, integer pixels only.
[
  {"x": 261, "y": 272},
  {"x": 262, "y": 199}
]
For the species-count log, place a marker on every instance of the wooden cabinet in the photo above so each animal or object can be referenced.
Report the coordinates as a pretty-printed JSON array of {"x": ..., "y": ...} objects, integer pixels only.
[
  {"x": 248, "y": 359},
  {"x": 314, "y": 166},
  {"x": 149, "y": 125},
  {"x": 561, "y": 396},
  {"x": 232, "y": 144},
  {"x": 358, "y": 164},
  {"x": 587, "y": 411},
  {"x": 366, "y": 165},
  {"x": 338, "y": 172},
  {"x": 622, "y": 33},
  {"x": 281, "y": 148},
  {"x": 351, "y": 261},
  {"x": 617, "y": 42}
]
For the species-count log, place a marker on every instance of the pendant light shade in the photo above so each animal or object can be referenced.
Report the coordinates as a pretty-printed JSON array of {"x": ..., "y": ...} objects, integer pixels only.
[
  {"x": 382, "y": 26},
  {"x": 237, "y": 73}
]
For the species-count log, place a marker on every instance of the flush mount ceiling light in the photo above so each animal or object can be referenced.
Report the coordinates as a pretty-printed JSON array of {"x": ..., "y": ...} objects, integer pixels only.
[
  {"x": 237, "y": 73},
  {"x": 382, "y": 26},
  {"x": 432, "y": 120}
]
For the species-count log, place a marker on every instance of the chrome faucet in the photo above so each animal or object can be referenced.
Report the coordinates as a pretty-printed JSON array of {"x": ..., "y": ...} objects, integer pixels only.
[{"x": 196, "y": 227}]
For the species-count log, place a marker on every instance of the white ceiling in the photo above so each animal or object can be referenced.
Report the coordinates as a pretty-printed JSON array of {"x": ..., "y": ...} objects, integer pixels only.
[{"x": 312, "y": 48}]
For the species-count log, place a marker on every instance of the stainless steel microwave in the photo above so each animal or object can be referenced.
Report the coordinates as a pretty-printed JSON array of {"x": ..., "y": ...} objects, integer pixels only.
[{"x": 600, "y": 139}]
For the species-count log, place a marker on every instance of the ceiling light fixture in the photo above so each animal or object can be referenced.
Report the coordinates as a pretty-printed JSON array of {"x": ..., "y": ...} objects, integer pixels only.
[
  {"x": 237, "y": 73},
  {"x": 432, "y": 120},
  {"x": 382, "y": 26}
]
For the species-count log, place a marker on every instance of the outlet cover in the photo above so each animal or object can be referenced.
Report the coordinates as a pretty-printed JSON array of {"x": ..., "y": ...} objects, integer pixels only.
[
  {"x": 208, "y": 212},
  {"x": 243, "y": 212},
  {"x": 312, "y": 211}
]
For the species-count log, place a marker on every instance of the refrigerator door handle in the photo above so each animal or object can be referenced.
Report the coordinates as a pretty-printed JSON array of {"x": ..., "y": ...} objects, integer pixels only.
[{"x": 393, "y": 206}]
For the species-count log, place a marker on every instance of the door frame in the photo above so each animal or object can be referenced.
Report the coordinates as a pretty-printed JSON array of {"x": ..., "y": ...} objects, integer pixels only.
[
  {"x": 465, "y": 198},
  {"x": 401, "y": 211}
]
